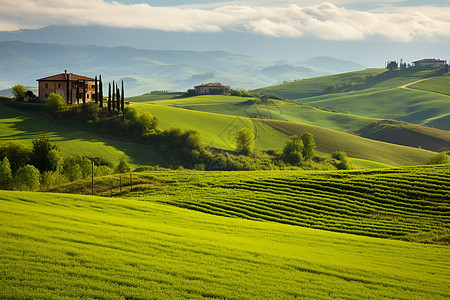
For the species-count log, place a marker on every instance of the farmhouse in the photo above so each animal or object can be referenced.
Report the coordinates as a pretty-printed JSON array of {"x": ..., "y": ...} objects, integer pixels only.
[
  {"x": 209, "y": 89},
  {"x": 68, "y": 85},
  {"x": 430, "y": 63}
]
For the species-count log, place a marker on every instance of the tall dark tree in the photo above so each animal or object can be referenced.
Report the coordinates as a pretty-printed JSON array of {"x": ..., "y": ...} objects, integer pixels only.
[
  {"x": 101, "y": 92},
  {"x": 84, "y": 91},
  {"x": 123, "y": 99},
  {"x": 109, "y": 98},
  {"x": 113, "y": 96},
  {"x": 96, "y": 90},
  {"x": 118, "y": 98},
  {"x": 45, "y": 155},
  {"x": 78, "y": 92},
  {"x": 393, "y": 65},
  {"x": 67, "y": 89}
]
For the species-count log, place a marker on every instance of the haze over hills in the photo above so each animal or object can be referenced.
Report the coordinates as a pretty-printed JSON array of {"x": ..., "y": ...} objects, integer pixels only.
[
  {"x": 147, "y": 70},
  {"x": 371, "y": 53}
]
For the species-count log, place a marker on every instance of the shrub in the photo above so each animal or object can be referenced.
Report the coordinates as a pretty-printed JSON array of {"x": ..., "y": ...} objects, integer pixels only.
[
  {"x": 55, "y": 102},
  {"x": 51, "y": 178},
  {"x": 441, "y": 158},
  {"x": 123, "y": 166},
  {"x": 27, "y": 178},
  {"x": 293, "y": 150}
]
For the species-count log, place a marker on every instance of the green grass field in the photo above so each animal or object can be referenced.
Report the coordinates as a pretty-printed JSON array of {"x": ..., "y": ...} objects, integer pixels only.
[
  {"x": 218, "y": 131},
  {"x": 21, "y": 126},
  {"x": 279, "y": 110},
  {"x": 67, "y": 246},
  {"x": 315, "y": 86},
  {"x": 329, "y": 141},
  {"x": 404, "y": 203},
  {"x": 439, "y": 84}
]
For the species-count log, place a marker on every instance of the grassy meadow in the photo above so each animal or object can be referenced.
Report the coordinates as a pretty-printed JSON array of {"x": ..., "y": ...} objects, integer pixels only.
[
  {"x": 21, "y": 126},
  {"x": 69, "y": 246},
  {"x": 439, "y": 84}
]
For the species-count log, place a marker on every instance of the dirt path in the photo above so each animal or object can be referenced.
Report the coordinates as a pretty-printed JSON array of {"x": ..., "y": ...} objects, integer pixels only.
[{"x": 406, "y": 86}]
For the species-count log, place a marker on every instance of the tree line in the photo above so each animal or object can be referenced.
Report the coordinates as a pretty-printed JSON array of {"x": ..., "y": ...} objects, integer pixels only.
[{"x": 41, "y": 165}]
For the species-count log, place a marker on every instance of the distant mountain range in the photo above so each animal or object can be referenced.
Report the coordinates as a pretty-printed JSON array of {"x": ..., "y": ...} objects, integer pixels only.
[
  {"x": 147, "y": 70},
  {"x": 369, "y": 53}
]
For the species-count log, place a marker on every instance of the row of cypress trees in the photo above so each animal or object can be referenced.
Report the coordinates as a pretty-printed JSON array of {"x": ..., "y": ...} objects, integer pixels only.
[{"x": 116, "y": 99}]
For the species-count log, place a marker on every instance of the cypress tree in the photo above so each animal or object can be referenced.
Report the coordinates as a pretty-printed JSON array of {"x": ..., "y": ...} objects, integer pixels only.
[
  {"x": 123, "y": 99},
  {"x": 78, "y": 92},
  {"x": 84, "y": 91},
  {"x": 67, "y": 89},
  {"x": 118, "y": 99},
  {"x": 101, "y": 91},
  {"x": 109, "y": 98},
  {"x": 113, "y": 96},
  {"x": 96, "y": 90}
]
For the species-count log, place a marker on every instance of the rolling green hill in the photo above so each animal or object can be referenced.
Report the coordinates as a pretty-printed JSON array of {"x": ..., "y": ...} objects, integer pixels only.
[
  {"x": 407, "y": 134},
  {"x": 406, "y": 203},
  {"x": 329, "y": 141},
  {"x": 219, "y": 131},
  {"x": 439, "y": 84},
  {"x": 412, "y": 106},
  {"x": 277, "y": 110},
  {"x": 61, "y": 246},
  {"x": 21, "y": 126},
  {"x": 315, "y": 86}
]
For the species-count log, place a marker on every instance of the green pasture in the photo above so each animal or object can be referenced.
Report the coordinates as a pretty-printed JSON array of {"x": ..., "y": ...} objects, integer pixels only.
[
  {"x": 72, "y": 247},
  {"x": 440, "y": 84},
  {"x": 21, "y": 126},
  {"x": 218, "y": 131},
  {"x": 314, "y": 87},
  {"x": 408, "y": 203},
  {"x": 154, "y": 96},
  {"x": 412, "y": 106},
  {"x": 329, "y": 141},
  {"x": 278, "y": 110}
]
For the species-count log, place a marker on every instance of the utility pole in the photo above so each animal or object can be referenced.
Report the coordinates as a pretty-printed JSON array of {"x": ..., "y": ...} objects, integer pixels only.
[{"x": 92, "y": 173}]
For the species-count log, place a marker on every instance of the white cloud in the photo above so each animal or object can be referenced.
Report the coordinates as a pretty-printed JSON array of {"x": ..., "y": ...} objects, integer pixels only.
[{"x": 325, "y": 21}]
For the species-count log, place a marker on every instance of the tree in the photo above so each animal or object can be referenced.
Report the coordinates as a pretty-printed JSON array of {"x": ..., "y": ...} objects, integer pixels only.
[
  {"x": 45, "y": 155},
  {"x": 5, "y": 174},
  {"x": 27, "y": 178},
  {"x": 19, "y": 91},
  {"x": 441, "y": 158},
  {"x": 393, "y": 65},
  {"x": 343, "y": 163},
  {"x": 293, "y": 150},
  {"x": 309, "y": 150},
  {"x": 245, "y": 141},
  {"x": 122, "y": 99},
  {"x": 18, "y": 154},
  {"x": 123, "y": 166},
  {"x": 77, "y": 167},
  {"x": 55, "y": 102}
]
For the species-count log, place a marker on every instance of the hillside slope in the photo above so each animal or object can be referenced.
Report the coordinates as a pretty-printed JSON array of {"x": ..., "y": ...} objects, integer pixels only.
[
  {"x": 61, "y": 246},
  {"x": 219, "y": 131},
  {"x": 21, "y": 126},
  {"x": 406, "y": 134}
]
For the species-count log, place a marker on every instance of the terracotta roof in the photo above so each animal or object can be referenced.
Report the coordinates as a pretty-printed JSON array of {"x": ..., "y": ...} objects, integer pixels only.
[
  {"x": 209, "y": 85},
  {"x": 62, "y": 77},
  {"x": 429, "y": 60}
]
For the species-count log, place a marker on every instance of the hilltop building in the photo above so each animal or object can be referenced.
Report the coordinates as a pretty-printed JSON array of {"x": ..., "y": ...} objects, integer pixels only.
[
  {"x": 209, "y": 89},
  {"x": 67, "y": 85},
  {"x": 430, "y": 63}
]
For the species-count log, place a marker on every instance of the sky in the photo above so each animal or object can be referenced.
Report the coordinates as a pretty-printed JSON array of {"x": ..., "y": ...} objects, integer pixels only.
[{"x": 338, "y": 20}]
